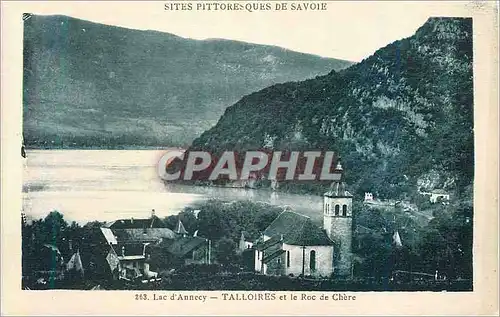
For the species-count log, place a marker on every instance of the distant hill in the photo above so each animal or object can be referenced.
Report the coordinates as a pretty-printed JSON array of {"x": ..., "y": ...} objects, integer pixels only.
[
  {"x": 401, "y": 118},
  {"x": 88, "y": 84}
]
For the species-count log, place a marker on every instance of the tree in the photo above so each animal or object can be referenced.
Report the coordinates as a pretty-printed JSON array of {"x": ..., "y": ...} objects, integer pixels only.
[
  {"x": 211, "y": 224},
  {"x": 225, "y": 251},
  {"x": 446, "y": 243},
  {"x": 264, "y": 218},
  {"x": 54, "y": 228},
  {"x": 188, "y": 220},
  {"x": 171, "y": 221}
]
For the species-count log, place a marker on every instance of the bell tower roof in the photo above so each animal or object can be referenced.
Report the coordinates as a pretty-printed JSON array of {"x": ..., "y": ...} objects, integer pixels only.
[{"x": 338, "y": 188}]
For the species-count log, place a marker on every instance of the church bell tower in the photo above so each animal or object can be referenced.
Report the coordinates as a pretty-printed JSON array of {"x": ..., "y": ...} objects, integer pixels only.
[{"x": 337, "y": 222}]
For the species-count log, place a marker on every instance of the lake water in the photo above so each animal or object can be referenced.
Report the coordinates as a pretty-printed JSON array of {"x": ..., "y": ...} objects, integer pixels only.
[{"x": 104, "y": 185}]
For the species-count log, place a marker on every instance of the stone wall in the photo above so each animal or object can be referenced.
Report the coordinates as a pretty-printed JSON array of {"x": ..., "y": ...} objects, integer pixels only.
[
  {"x": 339, "y": 229},
  {"x": 341, "y": 233}
]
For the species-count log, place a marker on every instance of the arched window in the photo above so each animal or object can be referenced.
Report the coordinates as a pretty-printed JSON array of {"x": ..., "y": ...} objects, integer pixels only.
[
  {"x": 287, "y": 258},
  {"x": 337, "y": 210},
  {"x": 312, "y": 260},
  {"x": 344, "y": 210}
]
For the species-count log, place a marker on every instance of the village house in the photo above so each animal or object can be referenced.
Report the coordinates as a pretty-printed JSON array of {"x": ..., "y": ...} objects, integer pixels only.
[
  {"x": 436, "y": 195},
  {"x": 244, "y": 244},
  {"x": 368, "y": 197},
  {"x": 382, "y": 203},
  {"x": 293, "y": 245},
  {"x": 133, "y": 243}
]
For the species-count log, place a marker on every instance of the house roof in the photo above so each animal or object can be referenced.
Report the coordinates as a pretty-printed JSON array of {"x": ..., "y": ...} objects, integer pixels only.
[
  {"x": 142, "y": 235},
  {"x": 131, "y": 223},
  {"x": 131, "y": 257},
  {"x": 109, "y": 236},
  {"x": 180, "y": 228},
  {"x": 297, "y": 229},
  {"x": 182, "y": 246}
]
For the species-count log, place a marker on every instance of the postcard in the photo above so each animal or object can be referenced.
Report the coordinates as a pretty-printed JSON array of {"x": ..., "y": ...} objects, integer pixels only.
[{"x": 249, "y": 158}]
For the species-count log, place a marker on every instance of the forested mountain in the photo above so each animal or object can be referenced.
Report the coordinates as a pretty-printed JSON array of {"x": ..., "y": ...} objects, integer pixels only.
[
  {"x": 88, "y": 84},
  {"x": 401, "y": 117}
]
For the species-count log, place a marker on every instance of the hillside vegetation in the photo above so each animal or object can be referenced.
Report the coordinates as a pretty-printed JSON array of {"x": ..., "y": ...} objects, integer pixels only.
[{"x": 401, "y": 118}]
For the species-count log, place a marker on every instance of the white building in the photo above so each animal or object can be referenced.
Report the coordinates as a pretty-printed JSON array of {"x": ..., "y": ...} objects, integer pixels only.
[
  {"x": 435, "y": 195},
  {"x": 368, "y": 197},
  {"x": 294, "y": 245}
]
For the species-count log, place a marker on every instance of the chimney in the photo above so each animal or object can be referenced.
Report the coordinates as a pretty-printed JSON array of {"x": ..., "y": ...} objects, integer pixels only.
[
  {"x": 131, "y": 220},
  {"x": 152, "y": 213}
]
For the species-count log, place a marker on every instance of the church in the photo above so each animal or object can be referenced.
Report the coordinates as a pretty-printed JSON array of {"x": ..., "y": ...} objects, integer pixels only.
[{"x": 293, "y": 245}]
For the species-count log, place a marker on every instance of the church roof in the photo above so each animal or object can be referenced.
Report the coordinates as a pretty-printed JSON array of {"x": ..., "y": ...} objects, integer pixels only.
[
  {"x": 297, "y": 229},
  {"x": 182, "y": 246},
  {"x": 338, "y": 188}
]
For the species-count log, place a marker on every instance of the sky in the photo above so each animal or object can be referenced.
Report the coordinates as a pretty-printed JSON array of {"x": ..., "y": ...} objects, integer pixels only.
[{"x": 351, "y": 31}]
